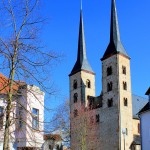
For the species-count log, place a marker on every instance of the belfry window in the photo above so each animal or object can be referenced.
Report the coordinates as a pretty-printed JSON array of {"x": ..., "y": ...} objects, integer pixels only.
[
  {"x": 109, "y": 86},
  {"x": 75, "y": 113},
  {"x": 125, "y": 102},
  {"x": 123, "y": 69},
  {"x": 125, "y": 85},
  {"x": 75, "y": 84},
  {"x": 110, "y": 102},
  {"x": 75, "y": 98},
  {"x": 88, "y": 83},
  {"x": 109, "y": 71}
]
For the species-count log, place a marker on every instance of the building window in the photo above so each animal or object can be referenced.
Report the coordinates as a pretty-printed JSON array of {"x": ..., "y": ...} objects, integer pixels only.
[
  {"x": 139, "y": 128},
  {"x": 57, "y": 147},
  {"x": 109, "y": 87},
  {"x": 125, "y": 85},
  {"x": 109, "y": 71},
  {"x": 88, "y": 84},
  {"x": 50, "y": 147},
  {"x": 75, "y": 84},
  {"x": 75, "y": 113},
  {"x": 110, "y": 102},
  {"x": 35, "y": 118},
  {"x": 123, "y": 69},
  {"x": 125, "y": 102},
  {"x": 75, "y": 97},
  {"x": 97, "y": 118},
  {"x": 1, "y": 117},
  {"x": 20, "y": 117}
]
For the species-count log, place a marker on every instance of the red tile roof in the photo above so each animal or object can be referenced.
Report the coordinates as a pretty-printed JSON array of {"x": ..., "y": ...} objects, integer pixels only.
[
  {"x": 55, "y": 137},
  {"x": 4, "y": 84}
]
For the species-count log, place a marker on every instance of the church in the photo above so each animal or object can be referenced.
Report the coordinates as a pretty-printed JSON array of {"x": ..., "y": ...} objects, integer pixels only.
[{"x": 108, "y": 121}]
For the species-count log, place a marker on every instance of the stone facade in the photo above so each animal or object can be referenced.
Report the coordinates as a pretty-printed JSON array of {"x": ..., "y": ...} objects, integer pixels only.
[{"x": 105, "y": 122}]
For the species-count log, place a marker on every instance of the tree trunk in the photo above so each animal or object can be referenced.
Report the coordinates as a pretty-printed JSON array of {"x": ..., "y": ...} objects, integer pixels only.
[
  {"x": 7, "y": 125},
  {"x": 9, "y": 104}
]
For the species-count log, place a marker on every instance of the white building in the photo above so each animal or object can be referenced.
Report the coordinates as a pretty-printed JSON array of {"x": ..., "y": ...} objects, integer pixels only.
[
  {"x": 52, "y": 142},
  {"x": 26, "y": 132},
  {"x": 145, "y": 124}
]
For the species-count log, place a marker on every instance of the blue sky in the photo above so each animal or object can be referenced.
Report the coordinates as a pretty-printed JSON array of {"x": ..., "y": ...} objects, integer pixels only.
[{"x": 61, "y": 35}]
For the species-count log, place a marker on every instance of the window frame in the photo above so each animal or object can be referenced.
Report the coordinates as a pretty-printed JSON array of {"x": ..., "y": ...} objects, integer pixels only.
[
  {"x": 75, "y": 97},
  {"x": 124, "y": 70},
  {"x": 109, "y": 70},
  {"x": 75, "y": 84},
  {"x": 35, "y": 119},
  {"x": 125, "y": 100},
  {"x": 88, "y": 83},
  {"x": 125, "y": 85},
  {"x": 110, "y": 102},
  {"x": 109, "y": 86}
]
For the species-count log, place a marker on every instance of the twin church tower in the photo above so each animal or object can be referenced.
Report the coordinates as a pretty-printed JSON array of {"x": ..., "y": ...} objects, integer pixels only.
[{"x": 103, "y": 122}]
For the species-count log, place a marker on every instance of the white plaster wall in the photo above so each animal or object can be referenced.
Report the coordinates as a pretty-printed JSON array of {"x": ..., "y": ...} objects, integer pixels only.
[
  {"x": 145, "y": 130},
  {"x": 35, "y": 99},
  {"x": 26, "y": 136}
]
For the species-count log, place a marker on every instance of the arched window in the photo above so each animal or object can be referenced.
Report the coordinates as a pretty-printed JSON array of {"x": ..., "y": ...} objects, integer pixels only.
[
  {"x": 110, "y": 102},
  {"x": 75, "y": 84},
  {"x": 109, "y": 71},
  {"x": 123, "y": 69},
  {"x": 125, "y": 85},
  {"x": 109, "y": 86},
  {"x": 75, "y": 113},
  {"x": 88, "y": 83},
  {"x": 125, "y": 102},
  {"x": 75, "y": 98}
]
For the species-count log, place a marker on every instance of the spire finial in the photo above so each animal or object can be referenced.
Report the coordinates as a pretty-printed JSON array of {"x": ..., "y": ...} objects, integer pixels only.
[
  {"x": 115, "y": 34},
  {"x": 81, "y": 5}
]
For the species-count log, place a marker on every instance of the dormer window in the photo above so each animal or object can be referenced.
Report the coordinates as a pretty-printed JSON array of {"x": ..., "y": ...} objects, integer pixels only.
[
  {"x": 124, "y": 70},
  {"x": 88, "y": 83},
  {"x": 109, "y": 71},
  {"x": 109, "y": 86},
  {"x": 75, "y": 97},
  {"x": 125, "y": 85},
  {"x": 75, "y": 84}
]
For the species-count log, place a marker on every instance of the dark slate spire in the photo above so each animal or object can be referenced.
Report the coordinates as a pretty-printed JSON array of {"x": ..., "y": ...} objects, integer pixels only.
[
  {"x": 115, "y": 46},
  {"x": 82, "y": 62}
]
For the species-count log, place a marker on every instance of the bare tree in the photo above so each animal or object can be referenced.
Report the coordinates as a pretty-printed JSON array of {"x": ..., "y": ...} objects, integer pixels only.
[
  {"x": 61, "y": 122},
  {"x": 21, "y": 53}
]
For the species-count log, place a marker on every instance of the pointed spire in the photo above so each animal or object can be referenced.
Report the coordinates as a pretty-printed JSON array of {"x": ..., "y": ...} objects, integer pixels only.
[
  {"x": 115, "y": 46},
  {"x": 114, "y": 29},
  {"x": 82, "y": 62}
]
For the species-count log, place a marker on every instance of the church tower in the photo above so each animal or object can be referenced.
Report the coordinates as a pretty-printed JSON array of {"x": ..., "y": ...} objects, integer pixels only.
[
  {"x": 82, "y": 85},
  {"x": 116, "y": 89}
]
